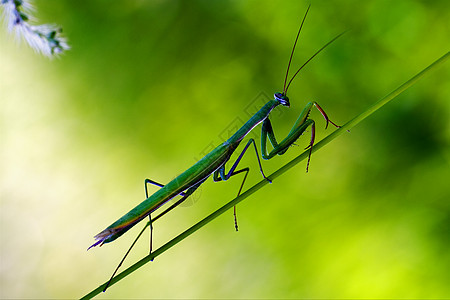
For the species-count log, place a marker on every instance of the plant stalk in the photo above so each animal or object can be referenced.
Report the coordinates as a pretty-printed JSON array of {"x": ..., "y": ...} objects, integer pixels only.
[{"x": 350, "y": 124}]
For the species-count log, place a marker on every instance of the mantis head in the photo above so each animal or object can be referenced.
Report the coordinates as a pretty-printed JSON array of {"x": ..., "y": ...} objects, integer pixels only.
[{"x": 282, "y": 99}]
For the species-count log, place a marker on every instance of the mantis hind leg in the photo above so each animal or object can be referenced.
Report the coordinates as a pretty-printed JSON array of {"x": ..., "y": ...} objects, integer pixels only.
[
  {"x": 150, "y": 223},
  {"x": 147, "y": 181},
  {"x": 221, "y": 174},
  {"x": 297, "y": 130},
  {"x": 186, "y": 194}
]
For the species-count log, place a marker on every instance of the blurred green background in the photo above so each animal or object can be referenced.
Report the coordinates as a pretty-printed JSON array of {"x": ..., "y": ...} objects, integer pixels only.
[{"x": 148, "y": 86}]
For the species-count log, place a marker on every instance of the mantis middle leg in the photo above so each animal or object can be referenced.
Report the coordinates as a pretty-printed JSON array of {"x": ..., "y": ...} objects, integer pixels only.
[
  {"x": 147, "y": 181},
  {"x": 220, "y": 174}
]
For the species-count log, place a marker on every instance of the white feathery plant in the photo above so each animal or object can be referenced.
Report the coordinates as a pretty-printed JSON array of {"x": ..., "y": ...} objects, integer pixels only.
[{"x": 45, "y": 39}]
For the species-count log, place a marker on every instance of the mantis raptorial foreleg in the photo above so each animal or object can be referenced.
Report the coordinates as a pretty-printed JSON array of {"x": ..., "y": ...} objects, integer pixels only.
[{"x": 297, "y": 130}]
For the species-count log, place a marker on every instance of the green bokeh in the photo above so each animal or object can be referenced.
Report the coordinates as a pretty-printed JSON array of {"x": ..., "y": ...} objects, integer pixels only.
[{"x": 148, "y": 86}]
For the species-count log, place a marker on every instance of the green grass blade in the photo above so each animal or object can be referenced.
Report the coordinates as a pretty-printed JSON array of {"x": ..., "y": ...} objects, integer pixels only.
[{"x": 350, "y": 124}]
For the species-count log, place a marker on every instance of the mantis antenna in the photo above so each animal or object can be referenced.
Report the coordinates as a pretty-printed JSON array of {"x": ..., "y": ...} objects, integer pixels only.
[
  {"x": 286, "y": 87},
  {"x": 292, "y": 52}
]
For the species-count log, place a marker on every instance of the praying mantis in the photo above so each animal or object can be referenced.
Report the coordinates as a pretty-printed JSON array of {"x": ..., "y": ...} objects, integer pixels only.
[{"x": 214, "y": 162}]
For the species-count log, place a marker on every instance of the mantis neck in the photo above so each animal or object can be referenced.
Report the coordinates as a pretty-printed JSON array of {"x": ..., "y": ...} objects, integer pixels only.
[{"x": 257, "y": 118}]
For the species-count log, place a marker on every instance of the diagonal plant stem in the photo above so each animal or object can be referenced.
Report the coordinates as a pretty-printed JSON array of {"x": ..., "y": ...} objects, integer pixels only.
[{"x": 274, "y": 175}]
